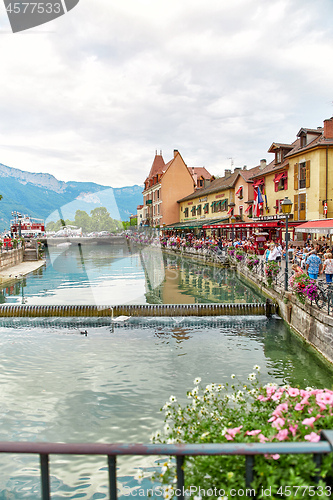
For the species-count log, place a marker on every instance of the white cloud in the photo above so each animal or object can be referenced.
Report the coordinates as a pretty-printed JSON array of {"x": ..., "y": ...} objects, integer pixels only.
[{"x": 91, "y": 95}]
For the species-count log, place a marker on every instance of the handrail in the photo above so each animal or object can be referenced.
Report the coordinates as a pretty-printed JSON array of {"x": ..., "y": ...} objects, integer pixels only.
[{"x": 178, "y": 450}]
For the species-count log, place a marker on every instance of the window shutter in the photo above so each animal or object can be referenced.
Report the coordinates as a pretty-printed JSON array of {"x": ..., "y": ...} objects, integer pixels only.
[
  {"x": 286, "y": 183},
  {"x": 307, "y": 166},
  {"x": 296, "y": 207},
  {"x": 276, "y": 186},
  {"x": 277, "y": 206},
  {"x": 296, "y": 176}
]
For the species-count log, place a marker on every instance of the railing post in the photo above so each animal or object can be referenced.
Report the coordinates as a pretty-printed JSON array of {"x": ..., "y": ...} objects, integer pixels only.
[
  {"x": 180, "y": 477},
  {"x": 112, "y": 477},
  {"x": 317, "y": 460},
  {"x": 44, "y": 467},
  {"x": 249, "y": 476}
]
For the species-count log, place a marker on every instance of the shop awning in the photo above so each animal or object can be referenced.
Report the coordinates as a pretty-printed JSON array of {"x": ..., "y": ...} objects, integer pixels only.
[
  {"x": 258, "y": 183},
  {"x": 278, "y": 224},
  {"x": 322, "y": 226},
  {"x": 231, "y": 209},
  {"x": 193, "y": 224},
  {"x": 278, "y": 177},
  {"x": 247, "y": 209},
  {"x": 239, "y": 190}
]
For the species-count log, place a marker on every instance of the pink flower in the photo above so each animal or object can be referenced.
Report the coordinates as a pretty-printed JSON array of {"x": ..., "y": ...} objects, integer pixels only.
[
  {"x": 279, "y": 409},
  {"x": 276, "y": 456},
  {"x": 233, "y": 432},
  {"x": 324, "y": 398},
  {"x": 229, "y": 438},
  {"x": 313, "y": 437},
  {"x": 293, "y": 429},
  {"x": 293, "y": 392},
  {"x": 262, "y": 438},
  {"x": 262, "y": 398},
  {"x": 309, "y": 421},
  {"x": 253, "y": 433},
  {"x": 299, "y": 407},
  {"x": 305, "y": 394},
  {"x": 270, "y": 390},
  {"x": 279, "y": 422},
  {"x": 282, "y": 434},
  {"x": 305, "y": 400},
  {"x": 271, "y": 419},
  {"x": 277, "y": 396}
]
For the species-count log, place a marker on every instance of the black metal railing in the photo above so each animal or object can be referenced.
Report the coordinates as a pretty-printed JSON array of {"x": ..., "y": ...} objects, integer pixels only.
[{"x": 180, "y": 451}]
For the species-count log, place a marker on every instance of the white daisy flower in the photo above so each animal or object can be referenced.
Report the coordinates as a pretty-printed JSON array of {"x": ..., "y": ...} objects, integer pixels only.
[
  {"x": 256, "y": 367},
  {"x": 197, "y": 381},
  {"x": 251, "y": 377},
  {"x": 172, "y": 399},
  {"x": 233, "y": 375},
  {"x": 139, "y": 475}
]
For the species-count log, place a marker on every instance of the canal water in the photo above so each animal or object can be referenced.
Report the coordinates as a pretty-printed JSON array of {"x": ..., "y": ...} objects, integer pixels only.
[
  {"x": 58, "y": 385},
  {"x": 104, "y": 275}
]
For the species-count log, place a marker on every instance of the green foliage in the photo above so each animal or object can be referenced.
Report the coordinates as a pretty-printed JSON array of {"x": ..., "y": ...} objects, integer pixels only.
[
  {"x": 99, "y": 220},
  {"x": 245, "y": 413},
  {"x": 272, "y": 269}
]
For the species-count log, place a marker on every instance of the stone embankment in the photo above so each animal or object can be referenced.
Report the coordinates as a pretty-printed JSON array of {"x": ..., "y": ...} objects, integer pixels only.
[{"x": 314, "y": 325}]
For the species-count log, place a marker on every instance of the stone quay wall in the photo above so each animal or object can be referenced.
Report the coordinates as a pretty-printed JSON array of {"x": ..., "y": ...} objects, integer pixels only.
[
  {"x": 312, "y": 324},
  {"x": 11, "y": 258}
]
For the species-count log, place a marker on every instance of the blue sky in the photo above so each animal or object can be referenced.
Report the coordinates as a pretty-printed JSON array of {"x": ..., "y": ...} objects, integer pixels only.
[{"x": 91, "y": 95}]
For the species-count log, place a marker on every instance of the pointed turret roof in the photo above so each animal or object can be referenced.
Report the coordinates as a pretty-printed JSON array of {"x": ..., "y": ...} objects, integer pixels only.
[{"x": 158, "y": 166}]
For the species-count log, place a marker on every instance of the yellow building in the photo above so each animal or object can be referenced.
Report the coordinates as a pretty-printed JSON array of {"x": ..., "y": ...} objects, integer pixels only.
[
  {"x": 217, "y": 203},
  {"x": 301, "y": 171}
]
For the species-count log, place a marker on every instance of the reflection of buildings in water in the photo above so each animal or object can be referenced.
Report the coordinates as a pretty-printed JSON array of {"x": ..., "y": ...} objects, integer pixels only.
[{"x": 186, "y": 282}]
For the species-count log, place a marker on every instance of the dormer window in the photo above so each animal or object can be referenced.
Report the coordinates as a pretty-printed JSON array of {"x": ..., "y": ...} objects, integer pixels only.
[
  {"x": 303, "y": 140},
  {"x": 278, "y": 156}
]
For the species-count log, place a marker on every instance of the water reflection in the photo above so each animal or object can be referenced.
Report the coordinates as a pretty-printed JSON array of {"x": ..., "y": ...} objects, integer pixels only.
[
  {"x": 58, "y": 385},
  {"x": 106, "y": 275}
]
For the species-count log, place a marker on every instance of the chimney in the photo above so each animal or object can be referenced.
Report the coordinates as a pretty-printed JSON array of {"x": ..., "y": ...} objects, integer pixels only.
[
  {"x": 175, "y": 151},
  {"x": 227, "y": 173},
  {"x": 328, "y": 128},
  {"x": 237, "y": 169},
  {"x": 262, "y": 164},
  {"x": 245, "y": 167}
]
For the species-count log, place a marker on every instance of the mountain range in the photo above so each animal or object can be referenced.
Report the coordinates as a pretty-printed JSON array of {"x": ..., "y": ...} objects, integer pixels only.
[{"x": 43, "y": 196}]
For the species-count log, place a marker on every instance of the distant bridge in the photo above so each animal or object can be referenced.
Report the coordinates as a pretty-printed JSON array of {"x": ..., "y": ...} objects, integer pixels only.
[{"x": 84, "y": 240}]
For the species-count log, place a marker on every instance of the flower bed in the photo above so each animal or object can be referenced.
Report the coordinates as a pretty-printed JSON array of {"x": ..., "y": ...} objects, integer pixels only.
[
  {"x": 272, "y": 269},
  {"x": 303, "y": 287},
  {"x": 249, "y": 413},
  {"x": 252, "y": 261}
]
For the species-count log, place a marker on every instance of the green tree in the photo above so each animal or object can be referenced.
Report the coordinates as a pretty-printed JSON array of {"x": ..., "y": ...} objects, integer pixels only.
[
  {"x": 101, "y": 220},
  {"x": 83, "y": 220}
]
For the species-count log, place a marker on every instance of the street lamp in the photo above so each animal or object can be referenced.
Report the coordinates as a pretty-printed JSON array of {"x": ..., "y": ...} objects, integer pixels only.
[
  {"x": 232, "y": 220},
  {"x": 286, "y": 209}
]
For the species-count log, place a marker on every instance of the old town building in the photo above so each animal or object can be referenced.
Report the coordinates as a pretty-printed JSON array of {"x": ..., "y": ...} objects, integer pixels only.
[{"x": 165, "y": 184}]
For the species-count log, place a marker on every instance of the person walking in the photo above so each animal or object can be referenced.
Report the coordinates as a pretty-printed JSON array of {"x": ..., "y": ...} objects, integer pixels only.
[
  {"x": 273, "y": 252},
  {"x": 313, "y": 265},
  {"x": 328, "y": 268}
]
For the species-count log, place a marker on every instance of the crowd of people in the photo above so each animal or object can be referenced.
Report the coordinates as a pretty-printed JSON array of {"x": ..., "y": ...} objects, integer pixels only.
[{"x": 314, "y": 258}]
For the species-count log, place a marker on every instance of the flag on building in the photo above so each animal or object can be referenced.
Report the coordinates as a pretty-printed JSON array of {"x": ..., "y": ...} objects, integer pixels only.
[{"x": 258, "y": 202}]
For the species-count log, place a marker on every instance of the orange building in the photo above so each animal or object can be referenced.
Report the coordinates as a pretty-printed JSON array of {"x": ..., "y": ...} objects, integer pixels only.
[{"x": 167, "y": 183}]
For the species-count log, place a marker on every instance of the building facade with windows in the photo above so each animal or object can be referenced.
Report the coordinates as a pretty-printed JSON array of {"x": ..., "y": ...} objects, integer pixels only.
[
  {"x": 165, "y": 184},
  {"x": 301, "y": 171}
]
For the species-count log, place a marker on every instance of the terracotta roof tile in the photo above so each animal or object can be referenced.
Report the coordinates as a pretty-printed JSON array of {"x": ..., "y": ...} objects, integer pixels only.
[
  {"x": 216, "y": 185},
  {"x": 157, "y": 167},
  {"x": 200, "y": 172}
]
